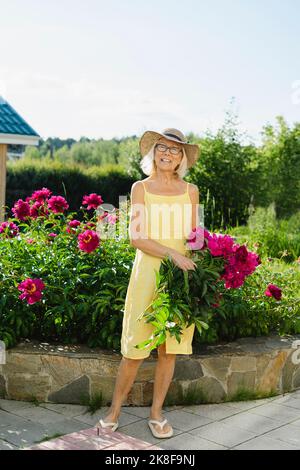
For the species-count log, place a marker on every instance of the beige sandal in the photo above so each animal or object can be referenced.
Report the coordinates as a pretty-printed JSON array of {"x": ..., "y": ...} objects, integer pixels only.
[
  {"x": 102, "y": 424},
  {"x": 161, "y": 424}
]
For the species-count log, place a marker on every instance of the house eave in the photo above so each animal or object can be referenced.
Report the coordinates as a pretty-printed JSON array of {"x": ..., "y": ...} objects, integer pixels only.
[{"x": 17, "y": 139}]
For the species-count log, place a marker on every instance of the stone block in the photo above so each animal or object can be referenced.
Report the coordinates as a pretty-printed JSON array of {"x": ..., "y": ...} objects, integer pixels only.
[
  {"x": 73, "y": 392},
  {"x": 217, "y": 367},
  {"x": 187, "y": 369},
  {"x": 204, "y": 390},
  {"x": 28, "y": 387},
  {"x": 146, "y": 371},
  {"x": 18, "y": 363},
  {"x": 296, "y": 378},
  {"x": 287, "y": 373},
  {"x": 243, "y": 363},
  {"x": 270, "y": 378},
  {"x": 135, "y": 395},
  {"x": 240, "y": 380},
  {"x": 2, "y": 386}
]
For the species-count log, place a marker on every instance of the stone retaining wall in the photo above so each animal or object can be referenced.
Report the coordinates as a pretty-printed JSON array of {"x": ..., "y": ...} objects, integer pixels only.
[{"x": 64, "y": 374}]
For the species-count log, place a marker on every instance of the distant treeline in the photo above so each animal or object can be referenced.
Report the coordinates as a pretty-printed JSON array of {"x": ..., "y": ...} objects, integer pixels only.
[{"x": 233, "y": 178}]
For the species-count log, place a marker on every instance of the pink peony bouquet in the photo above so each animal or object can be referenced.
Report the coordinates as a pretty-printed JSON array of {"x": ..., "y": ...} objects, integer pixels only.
[{"x": 188, "y": 297}]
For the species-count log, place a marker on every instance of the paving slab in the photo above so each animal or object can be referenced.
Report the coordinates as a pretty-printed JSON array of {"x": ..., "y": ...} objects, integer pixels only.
[
  {"x": 187, "y": 441},
  {"x": 265, "y": 443},
  {"x": 40, "y": 415},
  {"x": 185, "y": 421},
  {"x": 278, "y": 412},
  {"x": 213, "y": 412},
  {"x": 66, "y": 410},
  {"x": 289, "y": 434},
  {"x": 223, "y": 434},
  {"x": 13, "y": 405},
  {"x": 7, "y": 445},
  {"x": 254, "y": 423}
]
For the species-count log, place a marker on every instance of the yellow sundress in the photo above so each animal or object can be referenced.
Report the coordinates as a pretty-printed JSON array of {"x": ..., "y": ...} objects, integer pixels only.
[{"x": 141, "y": 287}]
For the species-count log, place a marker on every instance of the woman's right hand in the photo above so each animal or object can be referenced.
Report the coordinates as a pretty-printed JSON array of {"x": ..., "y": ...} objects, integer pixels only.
[{"x": 182, "y": 261}]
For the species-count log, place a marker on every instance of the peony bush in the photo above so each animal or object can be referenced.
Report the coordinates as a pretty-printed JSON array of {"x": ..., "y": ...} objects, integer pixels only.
[
  {"x": 61, "y": 279},
  {"x": 65, "y": 280}
]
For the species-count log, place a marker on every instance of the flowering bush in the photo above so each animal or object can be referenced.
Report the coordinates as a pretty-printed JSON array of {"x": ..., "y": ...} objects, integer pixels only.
[{"x": 62, "y": 279}]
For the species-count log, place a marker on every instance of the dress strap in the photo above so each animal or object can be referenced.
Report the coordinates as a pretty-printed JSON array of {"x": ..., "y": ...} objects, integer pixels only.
[
  {"x": 144, "y": 186},
  {"x": 187, "y": 187}
]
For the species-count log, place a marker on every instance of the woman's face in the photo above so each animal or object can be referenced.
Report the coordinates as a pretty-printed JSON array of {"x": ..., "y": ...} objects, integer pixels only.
[{"x": 167, "y": 160}]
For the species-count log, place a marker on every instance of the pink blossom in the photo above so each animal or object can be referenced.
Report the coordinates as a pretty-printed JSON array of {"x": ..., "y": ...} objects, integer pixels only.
[
  {"x": 10, "y": 229},
  {"x": 52, "y": 234},
  {"x": 196, "y": 238},
  {"x": 239, "y": 264},
  {"x": 88, "y": 241},
  {"x": 57, "y": 204},
  {"x": 220, "y": 245},
  {"x": 72, "y": 225},
  {"x": 41, "y": 195},
  {"x": 274, "y": 291},
  {"x": 21, "y": 210},
  {"x": 93, "y": 200},
  {"x": 38, "y": 209},
  {"x": 32, "y": 290}
]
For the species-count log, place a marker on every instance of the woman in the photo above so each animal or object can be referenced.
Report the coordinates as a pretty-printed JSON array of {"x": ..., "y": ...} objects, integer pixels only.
[{"x": 166, "y": 157}]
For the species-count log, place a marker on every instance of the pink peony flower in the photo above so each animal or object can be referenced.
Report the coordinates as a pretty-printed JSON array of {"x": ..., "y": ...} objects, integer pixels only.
[
  {"x": 273, "y": 291},
  {"x": 220, "y": 245},
  {"x": 10, "y": 229},
  {"x": 88, "y": 241},
  {"x": 32, "y": 290},
  {"x": 52, "y": 234},
  {"x": 38, "y": 209},
  {"x": 21, "y": 210},
  {"x": 240, "y": 264},
  {"x": 57, "y": 204},
  {"x": 41, "y": 195},
  {"x": 72, "y": 225},
  {"x": 92, "y": 200},
  {"x": 196, "y": 238}
]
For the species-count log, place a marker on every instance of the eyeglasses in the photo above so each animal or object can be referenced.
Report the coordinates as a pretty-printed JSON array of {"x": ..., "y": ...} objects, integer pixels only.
[{"x": 163, "y": 148}]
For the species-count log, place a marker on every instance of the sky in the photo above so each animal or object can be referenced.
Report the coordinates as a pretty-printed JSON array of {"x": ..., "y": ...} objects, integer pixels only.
[{"x": 120, "y": 67}]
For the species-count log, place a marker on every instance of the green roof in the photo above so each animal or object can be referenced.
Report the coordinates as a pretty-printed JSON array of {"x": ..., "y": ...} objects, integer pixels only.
[{"x": 12, "y": 123}]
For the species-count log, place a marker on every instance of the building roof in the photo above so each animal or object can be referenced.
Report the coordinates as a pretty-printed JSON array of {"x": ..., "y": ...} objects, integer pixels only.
[{"x": 13, "y": 128}]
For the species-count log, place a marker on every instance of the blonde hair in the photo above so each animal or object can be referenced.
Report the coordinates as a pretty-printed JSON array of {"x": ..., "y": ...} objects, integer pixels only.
[{"x": 147, "y": 163}]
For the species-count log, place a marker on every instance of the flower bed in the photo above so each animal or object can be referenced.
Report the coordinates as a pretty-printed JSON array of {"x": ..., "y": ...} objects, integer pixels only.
[{"x": 63, "y": 280}]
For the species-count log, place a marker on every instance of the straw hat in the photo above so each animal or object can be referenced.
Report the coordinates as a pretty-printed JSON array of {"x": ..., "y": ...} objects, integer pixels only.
[{"x": 149, "y": 138}]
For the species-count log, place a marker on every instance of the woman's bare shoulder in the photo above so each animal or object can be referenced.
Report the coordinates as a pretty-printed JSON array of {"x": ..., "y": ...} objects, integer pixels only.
[
  {"x": 137, "y": 189},
  {"x": 194, "y": 192},
  {"x": 194, "y": 187},
  {"x": 138, "y": 185}
]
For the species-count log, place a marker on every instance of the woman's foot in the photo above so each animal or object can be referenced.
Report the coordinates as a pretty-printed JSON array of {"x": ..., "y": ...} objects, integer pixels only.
[
  {"x": 166, "y": 428},
  {"x": 111, "y": 417}
]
